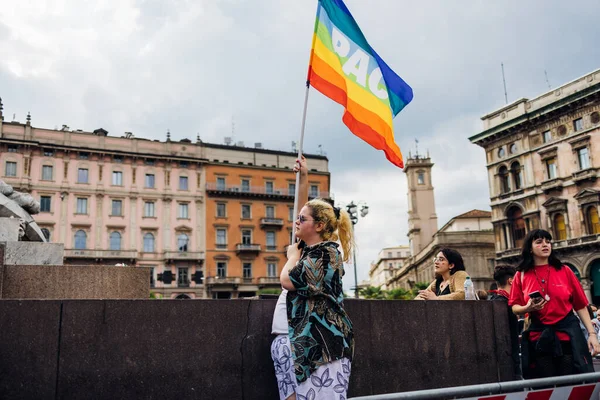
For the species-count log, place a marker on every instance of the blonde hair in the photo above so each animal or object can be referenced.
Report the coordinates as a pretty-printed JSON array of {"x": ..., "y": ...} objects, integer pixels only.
[{"x": 335, "y": 228}]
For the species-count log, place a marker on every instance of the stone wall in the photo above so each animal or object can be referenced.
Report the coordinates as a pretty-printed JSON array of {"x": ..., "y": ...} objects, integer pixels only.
[{"x": 220, "y": 349}]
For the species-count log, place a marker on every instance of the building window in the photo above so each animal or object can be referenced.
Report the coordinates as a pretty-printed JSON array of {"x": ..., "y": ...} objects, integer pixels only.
[
  {"x": 48, "y": 153},
  {"x": 45, "y": 203},
  {"x": 182, "y": 277},
  {"x": 551, "y": 168},
  {"x": 270, "y": 211},
  {"x": 272, "y": 270},
  {"x": 246, "y": 236},
  {"x": 501, "y": 152},
  {"x": 182, "y": 242},
  {"x": 592, "y": 221},
  {"x": 220, "y": 183},
  {"x": 517, "y": 175},
  {"x": 269, "y": 187},
  {"x": 117, "y": 208},
  {"x": 47, "y": 172},
  {"x": 46, "y": 233},
  {"x": 184, "y": 210},
  {"x": 546, "y": 136},
  {"x": 247, "y": 270},
  {"x": 504, "y": 180},
  {"x": 84, "y": 155},
  {"x": 117, "y": 178},
  {"x": 221, "y": 238},
  {"x": 517, "y": 225},
  {"x": 314, "y": 191},
  {"x": 513, "y": 148},
  {"x": 183, "y": 183},
  {"x": 80, "y": 240},
  {"x": 291, "y": 189},
  {"x": 152, "y": 277},
  {"x": 245, "y": 185},
  {"x": 560, "y": 229},
  {"x": 11, "y": 168},
  {"x": 584, "y": 158},
  {"x": 82, "y": 204},
  {"x": 82, "y": 175},
  {"x": 421, "y": 178},
  {"x": 115, "y": 241},
  {"x": 150, "y": 181},
  {"x": 148, "y": 243},
  {"x": 12, "y": 148},
  {"x": 578, "y": 124},
  {"x": 149, "y": 161},
  {"x": 221, "y": 210},
  {"x": 118, "y": 159},
  {"x": 246, "y": 211},
  {"x": 291, "y": 214},
  {"x": 271, "y": 241},
  {"x": 149, "y": 209},
  {"x": 221, "y": 269}
]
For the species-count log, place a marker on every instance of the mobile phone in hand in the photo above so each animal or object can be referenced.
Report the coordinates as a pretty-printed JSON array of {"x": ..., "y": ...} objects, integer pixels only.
[{"x": 536, "y": 296}]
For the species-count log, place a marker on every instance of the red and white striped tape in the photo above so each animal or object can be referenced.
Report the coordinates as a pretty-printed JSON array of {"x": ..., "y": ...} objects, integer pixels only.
[{"x": 577, "y": 392}]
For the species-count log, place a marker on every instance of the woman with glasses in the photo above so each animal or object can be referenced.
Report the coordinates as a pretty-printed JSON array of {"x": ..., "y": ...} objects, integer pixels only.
[
  {"x": 312, "y": 360},
  {"x": 549, "y": 292},
  {"x": 450, "y": 276}
]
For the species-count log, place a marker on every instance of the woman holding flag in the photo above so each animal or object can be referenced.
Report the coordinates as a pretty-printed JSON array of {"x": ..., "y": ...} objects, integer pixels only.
[{"x": 312, "y": 359}]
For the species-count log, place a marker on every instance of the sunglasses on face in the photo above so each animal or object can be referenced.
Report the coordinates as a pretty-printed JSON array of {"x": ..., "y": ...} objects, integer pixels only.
[{"x": 303, "y": 219}]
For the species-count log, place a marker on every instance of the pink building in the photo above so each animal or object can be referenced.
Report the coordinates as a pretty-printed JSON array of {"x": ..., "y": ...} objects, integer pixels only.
[{"x": 114, "y": 200}]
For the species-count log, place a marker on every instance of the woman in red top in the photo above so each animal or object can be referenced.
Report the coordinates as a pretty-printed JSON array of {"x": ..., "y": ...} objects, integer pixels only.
[{"x": 554, "y": 343}]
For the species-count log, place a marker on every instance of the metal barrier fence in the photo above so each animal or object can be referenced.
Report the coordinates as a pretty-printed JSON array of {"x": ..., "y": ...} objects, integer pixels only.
[{"x": 498, "y": 388}]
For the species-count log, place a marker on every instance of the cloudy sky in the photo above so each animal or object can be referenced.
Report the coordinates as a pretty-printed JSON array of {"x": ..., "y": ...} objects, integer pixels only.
[{"x": 192, "y": 66}]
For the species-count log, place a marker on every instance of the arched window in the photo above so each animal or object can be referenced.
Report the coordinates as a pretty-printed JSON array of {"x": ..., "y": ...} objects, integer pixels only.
[
  {"x": 182, "y": 242},
  {"x": 148, "y": 243},
  {"x": 46, "y": 233},
  {"x": 504, "y": 181},
  {"x": 592, "y": 221},
  {"x": 80, "y": 240},
  {"x": 560, "y": 229},
  {"x": 517, "y": 225},
  {"x": 517, "y": 175},
  {"x": 115, "y": 241}
]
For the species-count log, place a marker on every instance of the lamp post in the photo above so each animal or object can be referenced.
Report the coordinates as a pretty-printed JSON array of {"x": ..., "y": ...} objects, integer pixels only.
[{"x": 353, "y": 211}]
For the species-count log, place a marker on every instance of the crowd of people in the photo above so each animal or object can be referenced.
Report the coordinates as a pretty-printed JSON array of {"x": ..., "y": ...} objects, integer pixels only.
[{"x": 553, "y": 329}]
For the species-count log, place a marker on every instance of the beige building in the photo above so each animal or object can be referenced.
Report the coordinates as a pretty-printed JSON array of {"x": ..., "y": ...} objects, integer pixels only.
[
  {"x": 469, "y": 233},
  {"x": 189, "y": 210},
  {"x": 389, "y": 260},
  {"x": 543, "y": 158}
]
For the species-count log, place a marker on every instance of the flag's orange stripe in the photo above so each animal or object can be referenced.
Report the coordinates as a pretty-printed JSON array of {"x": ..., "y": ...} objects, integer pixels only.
[
  {"x": 327, "y": 72},
  {"x": 327, "y": 88},
  {"x": 366, "y": 133}
]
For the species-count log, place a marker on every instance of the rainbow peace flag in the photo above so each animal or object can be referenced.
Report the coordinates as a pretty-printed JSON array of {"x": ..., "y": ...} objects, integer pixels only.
[{"x": 345, "y": 68}]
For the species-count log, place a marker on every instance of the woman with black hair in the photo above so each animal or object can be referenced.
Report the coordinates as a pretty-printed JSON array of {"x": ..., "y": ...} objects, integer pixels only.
[
  {"x": 450, "y": 276},
  {"x": 549, "y": 291}
]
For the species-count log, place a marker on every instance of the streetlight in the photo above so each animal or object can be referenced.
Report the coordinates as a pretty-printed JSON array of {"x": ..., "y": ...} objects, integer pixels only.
[{"x": 353, "y": 211}]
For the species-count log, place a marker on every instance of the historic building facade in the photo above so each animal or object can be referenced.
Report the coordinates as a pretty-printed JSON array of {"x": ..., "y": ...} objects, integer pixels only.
[
  {"x": 389, "y": 260},
  {"x": 469, "y": 233},
  {"x": 158, "y": 204},
  {"x": 543, "y": 158}
]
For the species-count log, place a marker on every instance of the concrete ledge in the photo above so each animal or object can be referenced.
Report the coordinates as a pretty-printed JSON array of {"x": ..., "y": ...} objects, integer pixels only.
[
  {"x": 32, "y": 253},
  {"x": 74, "y": 282},
  {"x": 220, "y": 349},
  {"x": 9, "y": 229}
]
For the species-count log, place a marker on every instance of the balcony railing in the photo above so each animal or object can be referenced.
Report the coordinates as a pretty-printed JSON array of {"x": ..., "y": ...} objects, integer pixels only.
[
  {"x": 115, "y": 254},
  {"x": 215, "y": 280},
  {"x": 257, "y": 190},
  {"x": 584, "y": 175},
  {"x": 269, "y": 280},
  {"x": 552, "y": 184},
  {"x": 271, "y": 222},
  {"x": 184, "y": 255},
  {"x": 247, "y": 248},
  {"x": 508, "y": 253}
]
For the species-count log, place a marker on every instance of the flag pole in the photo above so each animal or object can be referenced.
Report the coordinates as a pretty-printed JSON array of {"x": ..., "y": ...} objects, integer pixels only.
[{"x": 301, "y": 142}]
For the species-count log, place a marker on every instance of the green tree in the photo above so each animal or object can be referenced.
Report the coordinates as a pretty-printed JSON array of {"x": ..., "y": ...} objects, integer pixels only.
[
  {"x": 372, "y": 293},
  {"x": 418, "y": 286},
  {"x": 269, "y": 291},
  {"x": 399, "y": 294}
]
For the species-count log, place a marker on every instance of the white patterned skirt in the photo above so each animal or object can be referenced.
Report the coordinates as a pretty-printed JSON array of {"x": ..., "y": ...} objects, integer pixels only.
[{"x": 329, "y": 381}]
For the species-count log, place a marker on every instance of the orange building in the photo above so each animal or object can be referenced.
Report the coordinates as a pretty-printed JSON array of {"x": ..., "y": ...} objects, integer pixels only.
[{"x": 249, "y": 219}]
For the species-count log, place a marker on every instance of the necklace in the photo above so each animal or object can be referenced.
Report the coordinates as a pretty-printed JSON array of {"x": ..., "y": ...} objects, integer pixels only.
[
  {"x": 440, "y": 290},
  {"x": 544, "y": 282}
]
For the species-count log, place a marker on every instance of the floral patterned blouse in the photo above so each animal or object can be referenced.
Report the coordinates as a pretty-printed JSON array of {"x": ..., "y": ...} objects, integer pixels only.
[{"x": 319, "y": 328}]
